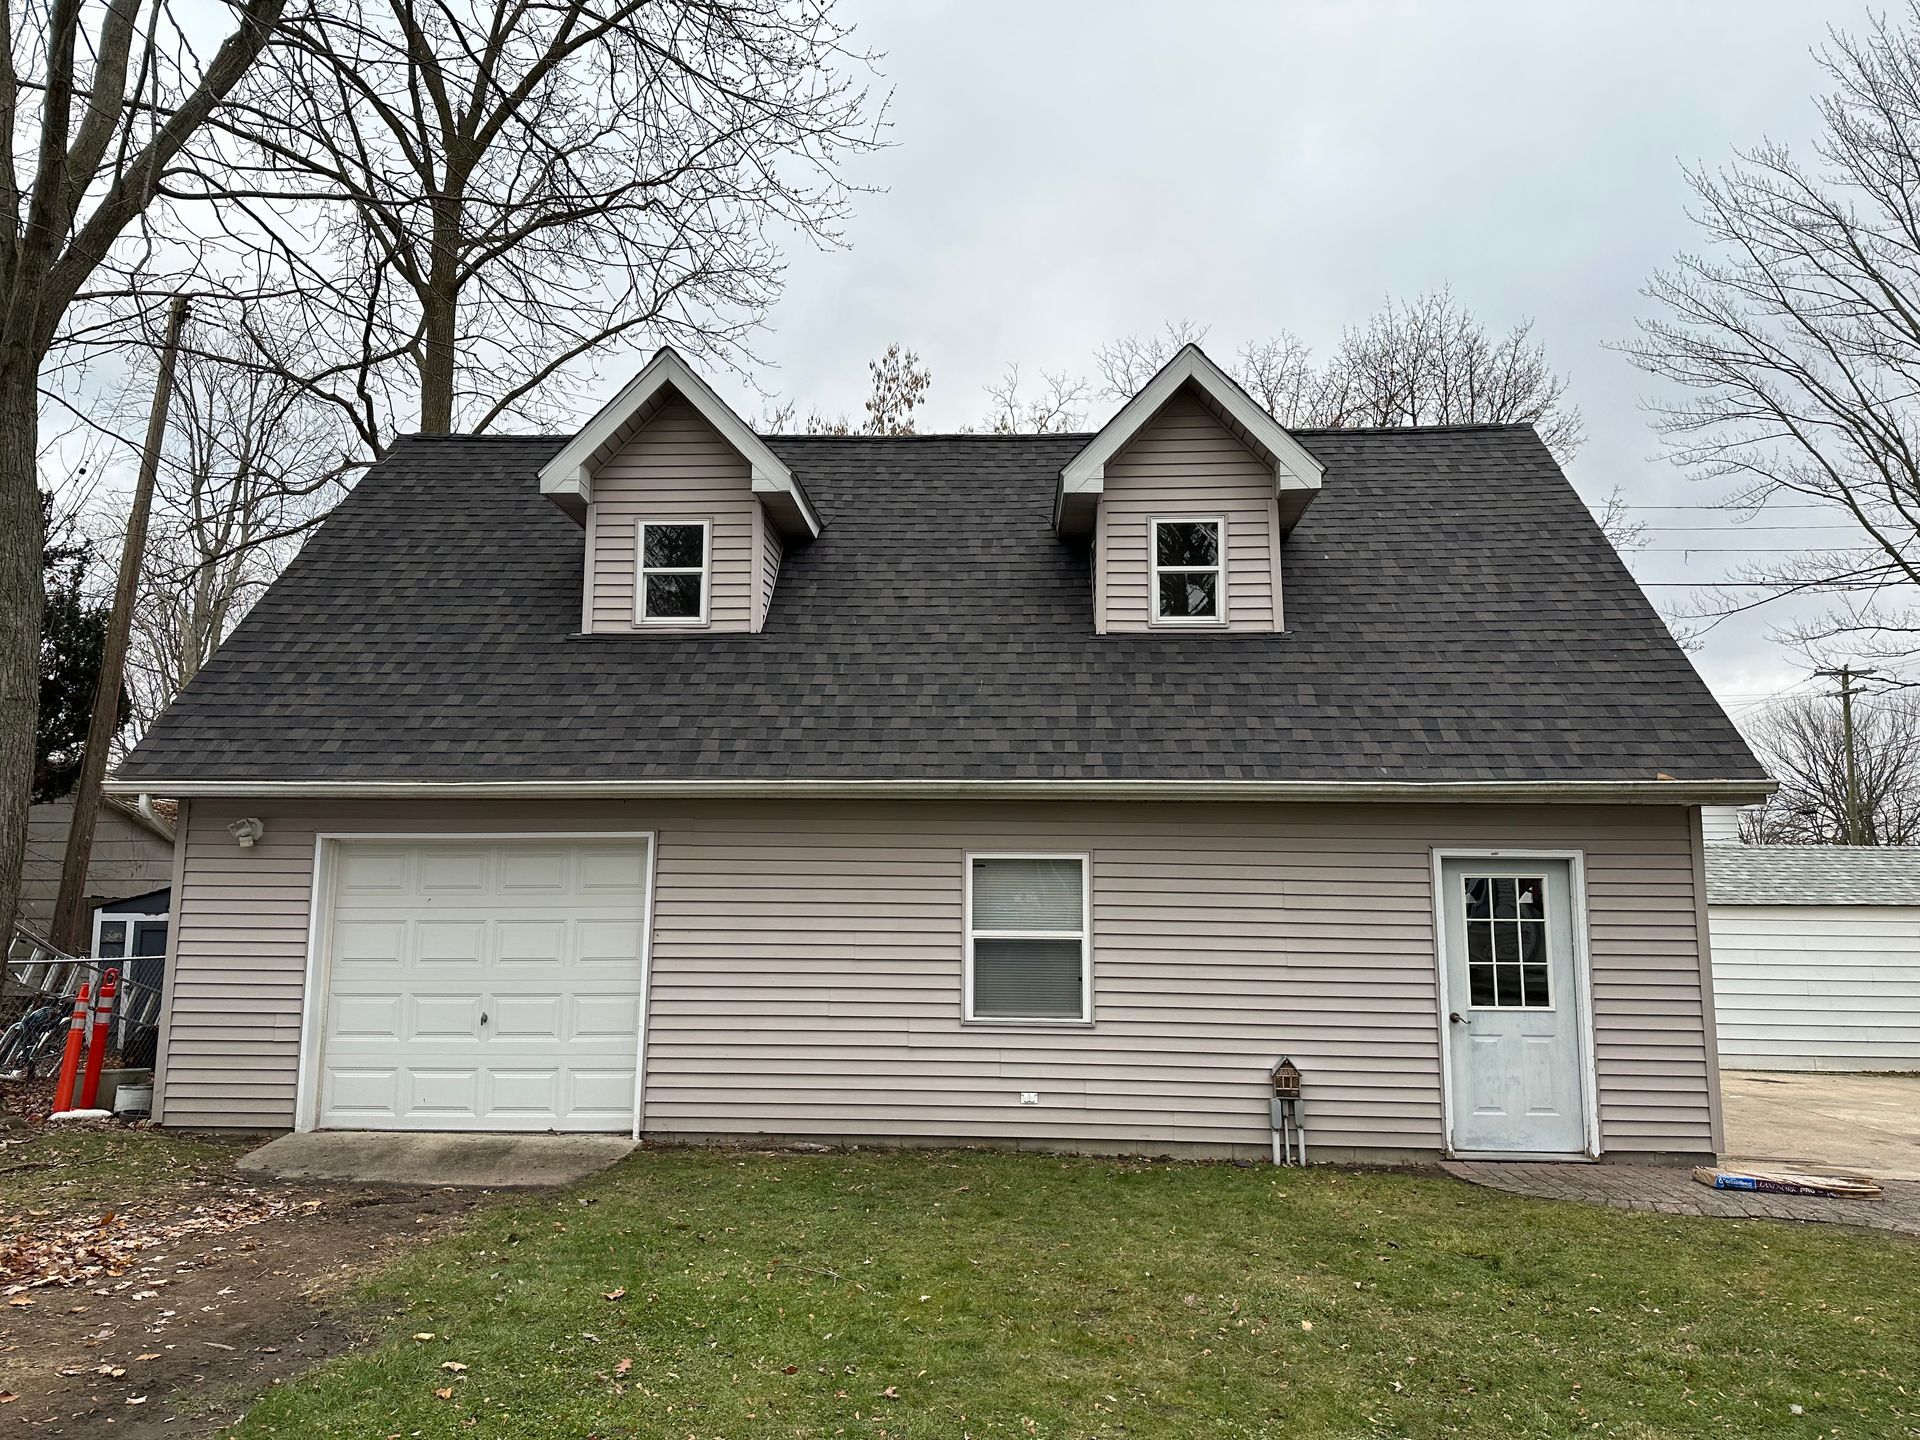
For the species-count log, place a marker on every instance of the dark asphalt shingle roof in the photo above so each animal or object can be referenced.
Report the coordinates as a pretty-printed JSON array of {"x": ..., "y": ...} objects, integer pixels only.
[
  {"x": 1452, "y": 614},
  {"x": 1813, "y": 875}
]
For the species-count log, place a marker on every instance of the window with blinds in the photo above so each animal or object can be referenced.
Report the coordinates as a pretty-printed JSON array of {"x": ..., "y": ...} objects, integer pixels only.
[{"x": 1027, "y": 938}]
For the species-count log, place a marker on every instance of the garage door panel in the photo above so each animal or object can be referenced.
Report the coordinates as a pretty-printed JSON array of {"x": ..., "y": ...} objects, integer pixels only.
[
  {"x": 608, "y": 942},
  {"x": 605, "y": 1094},
  {"x": 533, "y": 872},
  {"x": 365, "y": 1017},
  {"x": 531, "y": 942},
  {"x": 380, "y": 943},
  {"x": 605, "y": 1017},
  {"x": 543, "y": 939},
  {"x": 527, "y": 1017},
  {"x": 445, "y": 1017},
  {"x": 453, "y": 870},
  {"x": 449, "y": 942}
]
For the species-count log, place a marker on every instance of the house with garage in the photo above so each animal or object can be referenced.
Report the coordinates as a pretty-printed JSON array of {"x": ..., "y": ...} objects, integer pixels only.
[{"x": 675, "y": 779}]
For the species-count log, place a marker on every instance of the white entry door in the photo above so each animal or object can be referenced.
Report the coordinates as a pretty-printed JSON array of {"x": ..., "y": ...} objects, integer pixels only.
[
  {"x": 483, "y": 985},
  {"x": 1515, "y": 1020}
]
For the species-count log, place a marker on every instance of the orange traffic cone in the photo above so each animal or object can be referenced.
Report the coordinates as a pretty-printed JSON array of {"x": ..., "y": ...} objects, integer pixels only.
[
  {"x": 70, "y": 1061},
  {"x": 97, "y": 1042}
]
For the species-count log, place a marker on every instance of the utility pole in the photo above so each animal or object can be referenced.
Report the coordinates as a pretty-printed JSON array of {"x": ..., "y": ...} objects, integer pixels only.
[
  {"x": 1848, "y": 678},
  {"x": 68, "y": 931}
]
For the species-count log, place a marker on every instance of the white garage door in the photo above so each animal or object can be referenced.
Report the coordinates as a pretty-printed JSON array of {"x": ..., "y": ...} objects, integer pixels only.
[{"x": 483, "y": 985}]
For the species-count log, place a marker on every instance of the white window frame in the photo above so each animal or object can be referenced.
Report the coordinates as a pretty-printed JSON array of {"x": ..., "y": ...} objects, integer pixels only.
[
  {"x": 101, "y": 917},
  {"x": 968, "y": 935},
  {"x": 641, "y": 570},
  {"x": 1218, "y": 570},
  {"x": 1553, "y": 988}
]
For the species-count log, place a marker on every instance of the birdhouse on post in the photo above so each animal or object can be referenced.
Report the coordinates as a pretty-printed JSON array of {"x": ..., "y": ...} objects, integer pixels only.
[{"x": 1289, "y": 1124}]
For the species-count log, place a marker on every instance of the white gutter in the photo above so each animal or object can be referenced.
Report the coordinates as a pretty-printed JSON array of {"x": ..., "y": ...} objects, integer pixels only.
[{"x": 1593, "y": 792}]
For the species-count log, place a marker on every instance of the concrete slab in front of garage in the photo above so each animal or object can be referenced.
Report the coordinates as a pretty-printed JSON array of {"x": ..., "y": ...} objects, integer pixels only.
[
  {"x": 1815, "y": 1121},
  {"x": 487, "y": 1162}
]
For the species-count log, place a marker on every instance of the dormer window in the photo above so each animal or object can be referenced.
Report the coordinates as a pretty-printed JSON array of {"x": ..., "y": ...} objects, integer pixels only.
[
  {"x": 675, "y": 566},
  {"x": 1189, "y": 571}
]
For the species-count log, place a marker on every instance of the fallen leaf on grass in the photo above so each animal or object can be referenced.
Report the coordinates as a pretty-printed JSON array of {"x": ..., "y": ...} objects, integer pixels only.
[
  {"x": 617, "y": 1294},
  {"x": 892, "y": 1392},
  {"x": 423, "y": 1335},
  {"x": 150, "y": 1355},
  {"x": 7, "y": 1397},
  {"x": 623, "y": 1367},
  {"x": 789, "y": 1369},
  {"x": 454, "y": 1365},
  {"x": 445, "y": 1392}
]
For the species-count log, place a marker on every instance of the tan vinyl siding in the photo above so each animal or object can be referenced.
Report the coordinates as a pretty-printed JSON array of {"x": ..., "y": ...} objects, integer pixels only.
[
  {"x": 676, "y": 467},
  {"x": 807, "y": 965},
  {"x": 1186, "y": 464},
  {"x": 128, "y": 859}
]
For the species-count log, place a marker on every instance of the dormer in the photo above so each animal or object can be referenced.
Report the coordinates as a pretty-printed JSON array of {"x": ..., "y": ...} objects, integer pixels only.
[
  {"x": 1186, "y": 495},
  {"x": 687, "y": 512}
]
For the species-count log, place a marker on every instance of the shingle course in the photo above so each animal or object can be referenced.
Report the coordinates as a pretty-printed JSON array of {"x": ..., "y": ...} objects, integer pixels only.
[
  {"x": 1813, "y": 875},
  {"x": 1452, "y": 614}
]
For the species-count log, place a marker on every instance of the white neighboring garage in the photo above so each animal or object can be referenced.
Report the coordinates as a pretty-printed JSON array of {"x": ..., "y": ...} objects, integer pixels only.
[
  {"x": 481, "y": 983},
  {"x": 1816, "y": 956}
]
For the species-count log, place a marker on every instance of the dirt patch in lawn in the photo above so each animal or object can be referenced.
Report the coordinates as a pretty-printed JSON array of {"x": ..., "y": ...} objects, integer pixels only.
[{"x": 166, "y": 1314}]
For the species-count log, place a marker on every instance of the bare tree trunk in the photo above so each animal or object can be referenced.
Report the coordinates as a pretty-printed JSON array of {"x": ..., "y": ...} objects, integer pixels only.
[
  {"x": 436, "y": 364},
  {"x": 24, "y": 596}
]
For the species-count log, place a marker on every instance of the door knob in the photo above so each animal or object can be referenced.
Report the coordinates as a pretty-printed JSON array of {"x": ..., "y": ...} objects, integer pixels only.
[
  {"x": 483, "y": 1017},
  {"x": 1456, "y": 1017}
]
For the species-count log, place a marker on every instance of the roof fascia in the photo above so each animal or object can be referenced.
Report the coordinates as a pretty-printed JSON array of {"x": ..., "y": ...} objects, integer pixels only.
[
  {"x": 1596, "y": 792},
  {"x": 1296, "y": 472},
  {"x": 567, "y": 479}
]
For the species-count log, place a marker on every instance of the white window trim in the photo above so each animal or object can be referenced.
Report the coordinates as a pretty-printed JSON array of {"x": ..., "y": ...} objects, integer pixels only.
[
  {"x": 641, "y": 570},
  {"x": 1154, "y": 617},
  {"x": 101, "y": 917},
  {"x": 967, "y": 937}
]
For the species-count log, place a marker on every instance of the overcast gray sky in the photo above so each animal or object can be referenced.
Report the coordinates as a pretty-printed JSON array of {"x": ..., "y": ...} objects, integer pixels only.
[{"x": 1063, "y": 174}]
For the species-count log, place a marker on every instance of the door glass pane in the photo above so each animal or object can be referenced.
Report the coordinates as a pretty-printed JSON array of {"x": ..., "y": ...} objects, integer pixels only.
[
  {"x": 1188, "y": 543},
  {"x": 674, "y": 547},
  {"x": 673, "y": 597},
  {"x": 1026, "y": 979},
  {"x": 1191, "y": 595},
  {"x": 1506, "y": 928},
  {"x": 1038, "y": 894}
]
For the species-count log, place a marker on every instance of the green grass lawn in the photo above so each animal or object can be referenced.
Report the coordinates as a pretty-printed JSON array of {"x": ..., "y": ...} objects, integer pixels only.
[
  {"x": 705, "y": 1294},
  {"x": 88, "y": 1170}
]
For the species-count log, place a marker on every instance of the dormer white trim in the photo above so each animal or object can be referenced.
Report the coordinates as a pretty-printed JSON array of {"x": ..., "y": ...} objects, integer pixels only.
[
  {"x": 567, "y": 479},
  {"x": 1296, "y": 474}
]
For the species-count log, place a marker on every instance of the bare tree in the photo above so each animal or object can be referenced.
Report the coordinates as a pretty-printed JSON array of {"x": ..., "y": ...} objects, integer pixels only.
[
  {"x": 1127, "y": 364},
  {"x": 97, "y": 101},
  {"x": 1428, "y": 361},
  {"x": 1793, "y": 338},
  {"x": 1804, "y": 745},
  {"x": 508, "y": 190},
  {"x": 1056, "y": 405},
  {"x": 252, "y": 464}
]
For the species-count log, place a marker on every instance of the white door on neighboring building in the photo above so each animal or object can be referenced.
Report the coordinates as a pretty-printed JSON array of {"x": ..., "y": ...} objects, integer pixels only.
[
  {"x": 483, "y": 985},
  {"x": 1514, "y": 1008}
]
